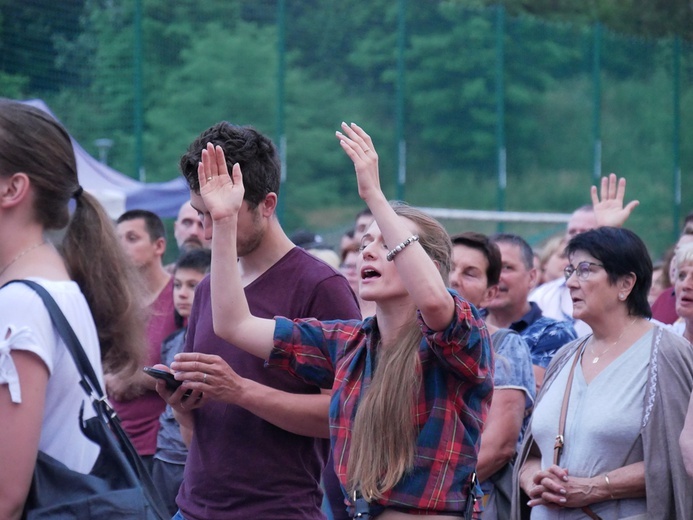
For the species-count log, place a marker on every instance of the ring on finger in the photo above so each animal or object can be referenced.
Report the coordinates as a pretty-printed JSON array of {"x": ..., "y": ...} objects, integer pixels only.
[
  {"x": 209, "y": 179},
  {"x": 366, "y": 150},
  {"x": 204, "y": 379}
]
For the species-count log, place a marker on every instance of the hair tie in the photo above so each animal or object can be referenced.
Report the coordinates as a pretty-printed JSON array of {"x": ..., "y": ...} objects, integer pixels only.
[{"x": 78, "y": 192}]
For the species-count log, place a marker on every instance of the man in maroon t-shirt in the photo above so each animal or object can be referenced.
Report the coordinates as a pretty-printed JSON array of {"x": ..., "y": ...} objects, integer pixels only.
[
  {"x": 260, "y": 452},
  {"x": 134, "y": 398}
]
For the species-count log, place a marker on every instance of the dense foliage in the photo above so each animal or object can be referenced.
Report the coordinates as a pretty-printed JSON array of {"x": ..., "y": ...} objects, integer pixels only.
[{"x": 206, "y": 61}]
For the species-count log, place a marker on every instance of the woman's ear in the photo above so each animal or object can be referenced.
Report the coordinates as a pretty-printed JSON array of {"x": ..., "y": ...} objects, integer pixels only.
[
  {"x": 13, "y": 189},
  {"x": 626, "y": 284}
]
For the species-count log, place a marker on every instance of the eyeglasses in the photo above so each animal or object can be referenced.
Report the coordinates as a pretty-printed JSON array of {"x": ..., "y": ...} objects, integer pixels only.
[{"x": 582, "y": 270}]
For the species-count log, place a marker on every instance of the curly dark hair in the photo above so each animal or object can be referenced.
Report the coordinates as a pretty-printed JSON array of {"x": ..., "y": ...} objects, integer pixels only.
[{"x": 255, "y": 152}]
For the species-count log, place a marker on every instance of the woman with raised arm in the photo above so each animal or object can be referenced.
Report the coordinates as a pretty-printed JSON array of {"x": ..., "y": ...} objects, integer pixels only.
[
  {"x": 411, "y": 386},
  {"x": 86, "y": 274}
]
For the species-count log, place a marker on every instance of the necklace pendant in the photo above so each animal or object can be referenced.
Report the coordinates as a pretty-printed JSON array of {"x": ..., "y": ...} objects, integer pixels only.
[{"x": 595, "y": 360}]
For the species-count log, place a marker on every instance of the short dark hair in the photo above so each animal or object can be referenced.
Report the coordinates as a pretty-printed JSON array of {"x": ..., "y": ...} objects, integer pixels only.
[
  {"x": 489, "y": 249},
  {"x": 152, "y": 223},
  {"x": 196, "y": 259},
  {"x": 244, "y": 145},
  {"x": 518, "y": 241},
  {"x": 621, "y": 252}
]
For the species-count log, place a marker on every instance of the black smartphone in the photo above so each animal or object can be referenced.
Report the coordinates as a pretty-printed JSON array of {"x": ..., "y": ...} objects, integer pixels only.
[{"x": 171, "y": 382}]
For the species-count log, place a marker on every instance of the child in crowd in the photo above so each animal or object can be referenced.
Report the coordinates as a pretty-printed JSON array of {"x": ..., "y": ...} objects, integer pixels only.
[{"x": 171, "y": 452}]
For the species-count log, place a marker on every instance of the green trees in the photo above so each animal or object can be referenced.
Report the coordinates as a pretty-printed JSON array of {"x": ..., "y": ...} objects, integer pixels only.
[{"x": 206, "y": 61}]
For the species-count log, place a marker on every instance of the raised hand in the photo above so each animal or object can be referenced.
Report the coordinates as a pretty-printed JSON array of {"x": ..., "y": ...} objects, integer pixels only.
[
  {"x": 359, "y": 147},
  {"x": 222, "y": 194},
  {"x": 609, "y": 211}
]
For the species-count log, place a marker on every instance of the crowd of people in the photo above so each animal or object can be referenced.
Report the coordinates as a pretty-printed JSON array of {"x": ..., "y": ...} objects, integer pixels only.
[{"x": 408, "y": 373}]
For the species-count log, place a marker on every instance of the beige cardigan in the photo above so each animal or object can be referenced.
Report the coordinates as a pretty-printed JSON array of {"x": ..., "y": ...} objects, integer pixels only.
[{"x": 669, "y": 490}]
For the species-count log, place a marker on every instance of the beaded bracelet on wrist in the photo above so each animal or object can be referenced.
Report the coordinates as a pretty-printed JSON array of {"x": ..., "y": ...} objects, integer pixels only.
[{"x": 398, "y": 248}]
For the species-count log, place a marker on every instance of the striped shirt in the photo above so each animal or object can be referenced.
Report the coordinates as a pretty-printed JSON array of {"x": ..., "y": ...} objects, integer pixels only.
[{"x": 457, "y": 384}]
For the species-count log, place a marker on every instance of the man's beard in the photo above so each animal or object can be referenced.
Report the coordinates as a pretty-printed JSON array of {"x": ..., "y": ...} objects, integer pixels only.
[{"x": 190, "y": 244}]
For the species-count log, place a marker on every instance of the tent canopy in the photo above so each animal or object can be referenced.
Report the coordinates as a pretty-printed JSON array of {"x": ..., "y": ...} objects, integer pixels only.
[{"x": 118, "y": 192}]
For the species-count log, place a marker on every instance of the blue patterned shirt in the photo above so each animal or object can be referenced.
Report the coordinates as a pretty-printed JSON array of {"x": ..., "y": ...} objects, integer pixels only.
[{"x": 543, "y": 335}]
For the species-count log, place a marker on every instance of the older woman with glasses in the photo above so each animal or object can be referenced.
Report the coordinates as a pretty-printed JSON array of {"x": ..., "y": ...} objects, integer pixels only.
[{"x": 603, "y": 438}]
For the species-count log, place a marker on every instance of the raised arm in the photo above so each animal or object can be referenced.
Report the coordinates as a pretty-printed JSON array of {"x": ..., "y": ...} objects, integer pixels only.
[
  {"x": 223, "y": 197},
  {"x": 609, "y": 209},
  {"x": 418, "y": 272}
]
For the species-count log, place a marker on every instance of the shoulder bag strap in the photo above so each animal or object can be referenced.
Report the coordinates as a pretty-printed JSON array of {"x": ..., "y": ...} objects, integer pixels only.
[
  {"x": 88, "y": 380},
  {"x": 90, "y": 384},
  {"x": 560, "y": 439}
]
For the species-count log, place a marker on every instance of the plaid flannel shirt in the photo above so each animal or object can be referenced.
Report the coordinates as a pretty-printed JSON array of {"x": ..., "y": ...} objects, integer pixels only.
[{"x": 457, "y": 384}]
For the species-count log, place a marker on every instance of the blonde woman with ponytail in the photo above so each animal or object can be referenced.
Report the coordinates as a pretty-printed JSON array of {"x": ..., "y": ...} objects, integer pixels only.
[{"x": 411, "y": 386}]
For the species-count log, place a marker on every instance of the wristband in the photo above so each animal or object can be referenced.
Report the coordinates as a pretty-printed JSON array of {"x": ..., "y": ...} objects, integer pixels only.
[{"x": 398, "y": 249}]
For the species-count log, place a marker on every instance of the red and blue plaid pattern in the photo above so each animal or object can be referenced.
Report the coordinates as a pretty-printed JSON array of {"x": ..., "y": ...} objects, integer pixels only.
[{"x": 457, "y": 374}]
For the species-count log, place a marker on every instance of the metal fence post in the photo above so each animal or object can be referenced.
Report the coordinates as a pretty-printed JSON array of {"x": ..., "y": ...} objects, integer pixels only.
[
  {"x": 597, "y": 110},
  {"x": 500, "y": 110}
]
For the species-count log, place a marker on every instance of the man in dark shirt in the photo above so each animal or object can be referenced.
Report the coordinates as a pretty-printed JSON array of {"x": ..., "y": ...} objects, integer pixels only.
[{"x": 134, "y": 399}]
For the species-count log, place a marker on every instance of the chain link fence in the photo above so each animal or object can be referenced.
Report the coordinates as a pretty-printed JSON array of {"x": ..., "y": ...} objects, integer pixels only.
[{"x": 469, "y": 108}]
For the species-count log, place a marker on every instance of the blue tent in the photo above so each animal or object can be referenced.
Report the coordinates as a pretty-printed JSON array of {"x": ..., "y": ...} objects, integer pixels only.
[{"x": 118, "y": 192}]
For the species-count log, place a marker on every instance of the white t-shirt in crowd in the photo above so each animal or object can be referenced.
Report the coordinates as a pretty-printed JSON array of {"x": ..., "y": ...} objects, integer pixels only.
[{"x": 24, "y": 315}]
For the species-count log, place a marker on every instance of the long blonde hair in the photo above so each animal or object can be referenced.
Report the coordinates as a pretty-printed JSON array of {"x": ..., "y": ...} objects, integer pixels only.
[{"x": 383, "y": 440}]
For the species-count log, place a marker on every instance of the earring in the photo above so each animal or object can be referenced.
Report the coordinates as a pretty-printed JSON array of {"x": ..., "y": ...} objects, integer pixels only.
[{"x": 621, "y": 296}]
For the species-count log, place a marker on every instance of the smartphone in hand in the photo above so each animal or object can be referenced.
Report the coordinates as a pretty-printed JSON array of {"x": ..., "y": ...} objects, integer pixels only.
[{"x": 171, "y": 382}]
